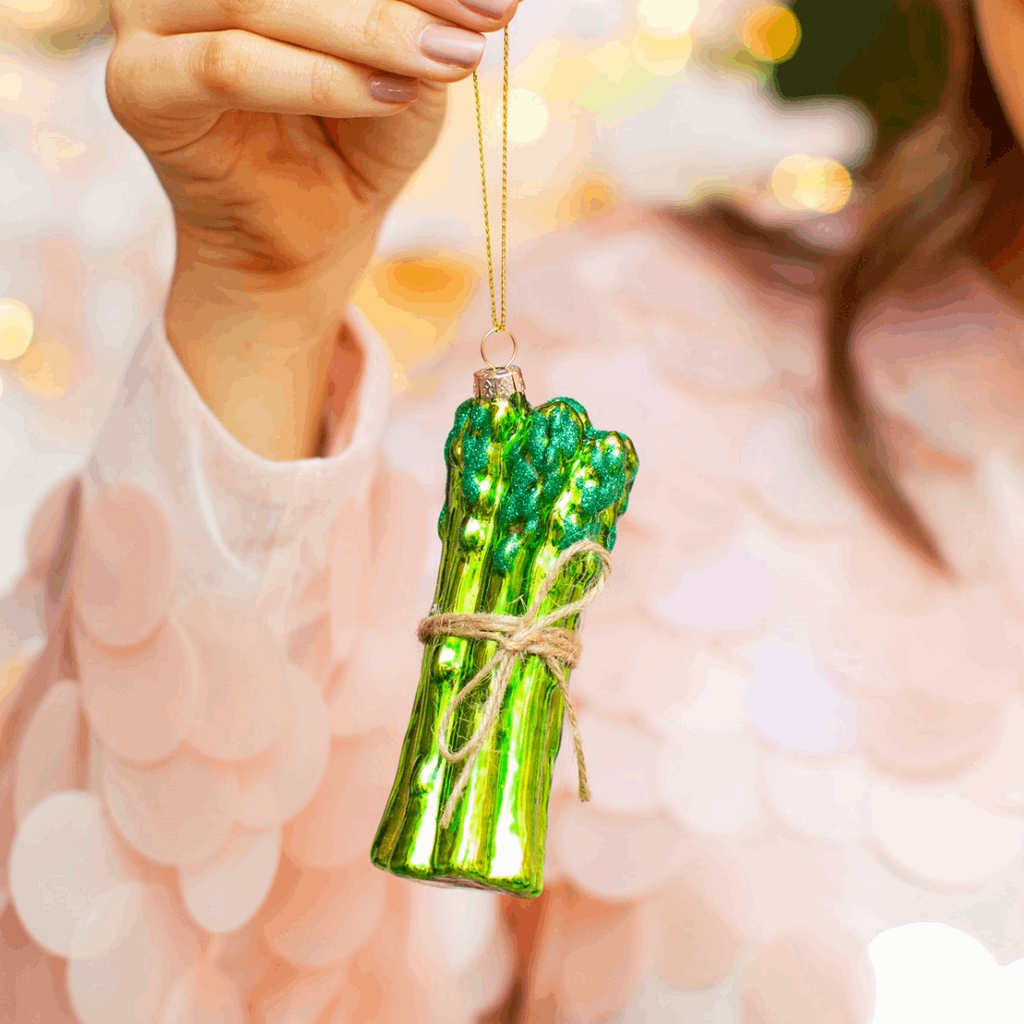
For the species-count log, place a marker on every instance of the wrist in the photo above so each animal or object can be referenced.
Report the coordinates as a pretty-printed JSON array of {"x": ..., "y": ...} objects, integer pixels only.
[
  {"x": 296, "y": 300},
  {"x": 206, "y": 319},
  {"x": 260, "y": 257},
  {"x": 259, "y": 349}
]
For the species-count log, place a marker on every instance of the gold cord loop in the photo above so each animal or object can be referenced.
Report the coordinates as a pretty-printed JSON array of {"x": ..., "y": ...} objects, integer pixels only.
[
  {"x": 498, "y": 305},
  {"x": 483, "y": 347}
]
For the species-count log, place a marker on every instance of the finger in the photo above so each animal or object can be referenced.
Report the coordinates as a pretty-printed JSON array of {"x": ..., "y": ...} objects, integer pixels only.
[
  {"x": 387, "y": 34},
  {"x": 478, "y": 15},
  {"x": 152, "y": 78}
]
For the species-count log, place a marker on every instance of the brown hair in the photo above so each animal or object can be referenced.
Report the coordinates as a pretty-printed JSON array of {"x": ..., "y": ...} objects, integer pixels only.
[{"x": 944, "y": 188}]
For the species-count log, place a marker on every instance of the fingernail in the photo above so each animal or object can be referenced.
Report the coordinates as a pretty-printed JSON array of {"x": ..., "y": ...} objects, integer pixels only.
[
  {"x": 392, "y": 89},
  {"x": 452, "y": 45},
  {"x": 488, "y": 8}
]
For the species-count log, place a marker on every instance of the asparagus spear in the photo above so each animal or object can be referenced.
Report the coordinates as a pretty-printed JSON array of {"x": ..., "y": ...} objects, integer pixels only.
[{"x": 473, "y": 452}]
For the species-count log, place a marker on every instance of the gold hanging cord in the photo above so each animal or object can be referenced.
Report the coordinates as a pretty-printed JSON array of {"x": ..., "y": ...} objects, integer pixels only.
[{"x": 497, "y": 298}]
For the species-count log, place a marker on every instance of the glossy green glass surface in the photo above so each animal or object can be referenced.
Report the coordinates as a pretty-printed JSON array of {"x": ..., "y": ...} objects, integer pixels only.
[{"x": 523, "y": 485}]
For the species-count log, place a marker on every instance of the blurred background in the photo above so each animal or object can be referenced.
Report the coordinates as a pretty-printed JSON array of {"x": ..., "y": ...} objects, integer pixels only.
[{"x": 772, "y": 106}]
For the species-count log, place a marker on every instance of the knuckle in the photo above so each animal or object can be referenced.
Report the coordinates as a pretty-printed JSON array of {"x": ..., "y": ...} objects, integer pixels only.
[
  {"x": 126, "y": 14},
  {"x": 124, "y": 80},
  {"x": 118, "y": 78},
  {"x": 118, "y": 66},
  {"x": 117, "y": 11},
  {"x": 240, "y": 10},
  {"x": 219, "y": 63},
  {"x": 376, "y": 30},
  {"x": 323, "y": 83}
]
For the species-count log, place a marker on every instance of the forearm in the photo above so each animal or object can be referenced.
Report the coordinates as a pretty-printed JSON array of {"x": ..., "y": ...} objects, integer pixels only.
[{"x": 260, "y": 352}]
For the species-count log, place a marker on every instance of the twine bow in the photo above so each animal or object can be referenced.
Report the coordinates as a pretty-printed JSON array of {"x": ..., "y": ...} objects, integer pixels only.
[{"x": 516, "y": 637}]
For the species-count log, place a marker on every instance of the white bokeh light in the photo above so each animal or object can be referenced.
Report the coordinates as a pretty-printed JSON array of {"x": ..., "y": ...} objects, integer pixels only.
[
  {"x": 671, "y": 17},
  {"x": 527, "y": 116}
]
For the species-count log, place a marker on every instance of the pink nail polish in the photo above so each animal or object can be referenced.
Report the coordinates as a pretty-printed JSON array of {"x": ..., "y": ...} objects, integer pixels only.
[
  {"x": 488, "y": 8},
  {"x": 392, "y": 89},
  {"x": 451, "y": 45}
]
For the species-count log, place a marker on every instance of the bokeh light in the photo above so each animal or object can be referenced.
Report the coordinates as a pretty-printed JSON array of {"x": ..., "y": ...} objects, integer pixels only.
[
  {"x": 17, "y": 327},
  {"x": 433, "y": 285},
  {"x": 49, "y": 18},
  {"x": 590, "y": 198},
  {"x": 36, "y": 14},
  {"x": 802, "y": 182},
  {"x": 11, "y": 84},
  {"x": 661, "y": 55},
  {"x": 14, "y": 8},
  {"x": 414, "y": 299},
  {"x": 613, "y": 60},
  {"x": 48, "y": 368},
  {"x": 667, "y": 17},
  {"x": 527, "y": 116},
  {"x": 619, "y": 76},
  {"x": 771, "y": 33}
]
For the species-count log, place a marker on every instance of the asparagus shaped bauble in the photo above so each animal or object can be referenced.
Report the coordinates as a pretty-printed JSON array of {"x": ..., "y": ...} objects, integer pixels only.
[{"x": 532, "y": 500}]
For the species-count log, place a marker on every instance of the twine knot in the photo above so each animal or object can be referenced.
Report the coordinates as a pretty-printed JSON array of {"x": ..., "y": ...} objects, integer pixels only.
[{"x": 516, "y": 637}]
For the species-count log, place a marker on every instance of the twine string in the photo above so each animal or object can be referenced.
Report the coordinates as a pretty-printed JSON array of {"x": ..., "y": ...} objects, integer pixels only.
[{"x": 516, "y": 637}]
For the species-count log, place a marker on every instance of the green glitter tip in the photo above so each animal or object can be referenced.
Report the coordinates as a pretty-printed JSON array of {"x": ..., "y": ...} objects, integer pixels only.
[{"x": 558, "y": 470}]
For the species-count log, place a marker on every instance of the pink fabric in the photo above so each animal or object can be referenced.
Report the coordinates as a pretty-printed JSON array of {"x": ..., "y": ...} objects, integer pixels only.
[{"x": 795, "y": 738}]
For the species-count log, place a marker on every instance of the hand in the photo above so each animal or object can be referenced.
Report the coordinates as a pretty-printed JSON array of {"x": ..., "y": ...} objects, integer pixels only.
[
  {"x": 281, "y": 131},
  {"x": 281, "y": 128}
]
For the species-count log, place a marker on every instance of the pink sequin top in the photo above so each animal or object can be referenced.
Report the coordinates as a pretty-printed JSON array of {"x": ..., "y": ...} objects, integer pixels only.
[{"x": 796, "y": 738}]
